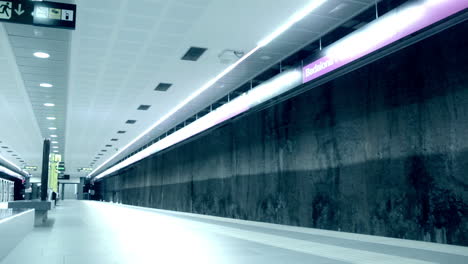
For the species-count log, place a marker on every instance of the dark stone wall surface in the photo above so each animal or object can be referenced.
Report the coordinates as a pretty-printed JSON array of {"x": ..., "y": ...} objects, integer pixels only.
[{"x": 382, "y": 150}]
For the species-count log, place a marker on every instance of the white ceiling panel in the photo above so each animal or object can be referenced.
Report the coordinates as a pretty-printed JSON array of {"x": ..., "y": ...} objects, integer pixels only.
[
  {"x": 26, "y": 40},
  {"x": 35, "y": 43},
  {"x": 20, "y": 132}
]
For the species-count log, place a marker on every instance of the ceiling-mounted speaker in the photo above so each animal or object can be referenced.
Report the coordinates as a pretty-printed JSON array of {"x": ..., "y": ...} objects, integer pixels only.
[{"x": 230, "y": 56}]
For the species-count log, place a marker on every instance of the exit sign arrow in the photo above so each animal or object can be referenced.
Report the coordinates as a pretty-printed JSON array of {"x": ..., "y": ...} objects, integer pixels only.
[
  {"x": 38, "y": 13},
  {"x": 19, "y": 11}
]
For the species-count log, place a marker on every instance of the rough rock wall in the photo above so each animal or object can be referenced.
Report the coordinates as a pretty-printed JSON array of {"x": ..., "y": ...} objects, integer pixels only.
[{"x": 382, "y": 150}]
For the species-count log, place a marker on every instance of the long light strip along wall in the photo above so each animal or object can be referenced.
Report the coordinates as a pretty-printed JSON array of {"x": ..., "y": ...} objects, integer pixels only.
[
  {"x": 10, "y": 172},
  {"x": 296, "y": 17},
  {"x": 260, "y": 94},
  {"x": 389, "y": 28},
  {"x": 415, "y": 16}
]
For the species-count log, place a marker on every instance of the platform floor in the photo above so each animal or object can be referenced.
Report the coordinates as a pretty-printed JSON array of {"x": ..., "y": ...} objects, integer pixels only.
[{"x": 101, "y": 233}]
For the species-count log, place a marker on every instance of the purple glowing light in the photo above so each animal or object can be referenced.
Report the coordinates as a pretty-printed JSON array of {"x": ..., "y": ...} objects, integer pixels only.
[{"x": 391, "y": 27}]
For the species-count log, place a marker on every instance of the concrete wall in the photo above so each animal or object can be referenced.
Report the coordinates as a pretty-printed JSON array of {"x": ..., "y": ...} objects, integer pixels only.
[{"x": 382, "y": 150}]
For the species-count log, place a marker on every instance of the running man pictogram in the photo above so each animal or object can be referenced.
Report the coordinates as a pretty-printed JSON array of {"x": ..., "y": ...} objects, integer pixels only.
[{"x": 5, "y": 9}]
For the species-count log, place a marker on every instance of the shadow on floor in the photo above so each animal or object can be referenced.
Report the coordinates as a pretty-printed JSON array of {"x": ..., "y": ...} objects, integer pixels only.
[{"x": 48, "y": 224}]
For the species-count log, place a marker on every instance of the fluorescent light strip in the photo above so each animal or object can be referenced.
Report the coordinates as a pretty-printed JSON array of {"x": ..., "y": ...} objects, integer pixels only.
[
  {"x": 9, "y": 162},
  {"x": 291, "y": 21},
  {"x": 389, "y": 28},
  {"x": 178, "y": 107},
  {"x": 244, "y": 102},
  {"x": 10, "y": 172}
]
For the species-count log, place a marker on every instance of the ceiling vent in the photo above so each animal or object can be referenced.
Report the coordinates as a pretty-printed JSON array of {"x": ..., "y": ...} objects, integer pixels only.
[
  {"x": 114, "y": 139},
  {"x": 104, "y": 150},
  {"x": 143, "y": 107},
  {"x": 162, "y": 87},
  {"x": 193, "y": 54},
  {"x": 130, "y": 122},
  {"x": 108, "y": 146},
  {"x": 121, "y": 132}
]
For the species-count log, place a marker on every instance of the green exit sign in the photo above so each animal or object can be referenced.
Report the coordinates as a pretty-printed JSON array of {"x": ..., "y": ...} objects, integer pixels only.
[{"x": 43, "y": 13}]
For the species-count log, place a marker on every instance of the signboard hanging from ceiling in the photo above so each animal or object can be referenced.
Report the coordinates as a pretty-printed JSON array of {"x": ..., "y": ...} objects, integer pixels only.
[{"x": 46, "y": 14}]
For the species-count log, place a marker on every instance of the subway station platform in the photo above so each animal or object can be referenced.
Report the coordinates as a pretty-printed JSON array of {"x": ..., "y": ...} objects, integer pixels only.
[{"x": 94, "y": 232}]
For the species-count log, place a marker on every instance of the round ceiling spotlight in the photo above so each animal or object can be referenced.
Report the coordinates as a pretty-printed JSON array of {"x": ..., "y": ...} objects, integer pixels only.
[
  {"x": 49, "y": 104},
  {"x": 46, "y": 85},
  {"x": 41, "y": 55}
]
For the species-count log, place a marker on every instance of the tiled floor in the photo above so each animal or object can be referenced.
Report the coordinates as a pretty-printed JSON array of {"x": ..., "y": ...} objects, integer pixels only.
[{"x": 92, "y": 232}]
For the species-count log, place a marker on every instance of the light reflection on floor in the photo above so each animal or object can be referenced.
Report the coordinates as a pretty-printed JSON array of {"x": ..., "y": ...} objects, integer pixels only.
[{"x": 104, "y": 233}]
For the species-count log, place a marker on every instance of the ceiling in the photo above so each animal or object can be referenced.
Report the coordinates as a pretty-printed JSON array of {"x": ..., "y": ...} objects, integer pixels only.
[{"x": 120, "y": 51}]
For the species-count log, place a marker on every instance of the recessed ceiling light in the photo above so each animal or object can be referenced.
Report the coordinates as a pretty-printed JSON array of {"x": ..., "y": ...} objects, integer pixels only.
[
  {"x": 53, "y": 136},
  {"x": 51, "y": 118},
  {"x": 41, "y": 55},
  {"x": 52, "y": 128},
  {"x": 54, "y": 142},
  {"x": 56, "y": 151},
  {"x": 49, "y": 104},
  {"x": 46, "y": 85},
  {"x": 55, "y": 147}
]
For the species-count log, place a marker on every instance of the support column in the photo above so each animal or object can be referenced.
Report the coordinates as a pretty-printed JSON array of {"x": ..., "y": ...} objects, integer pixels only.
[
  {"x": 45, "y": 170},
  {"x": 80, "y": 188}
]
